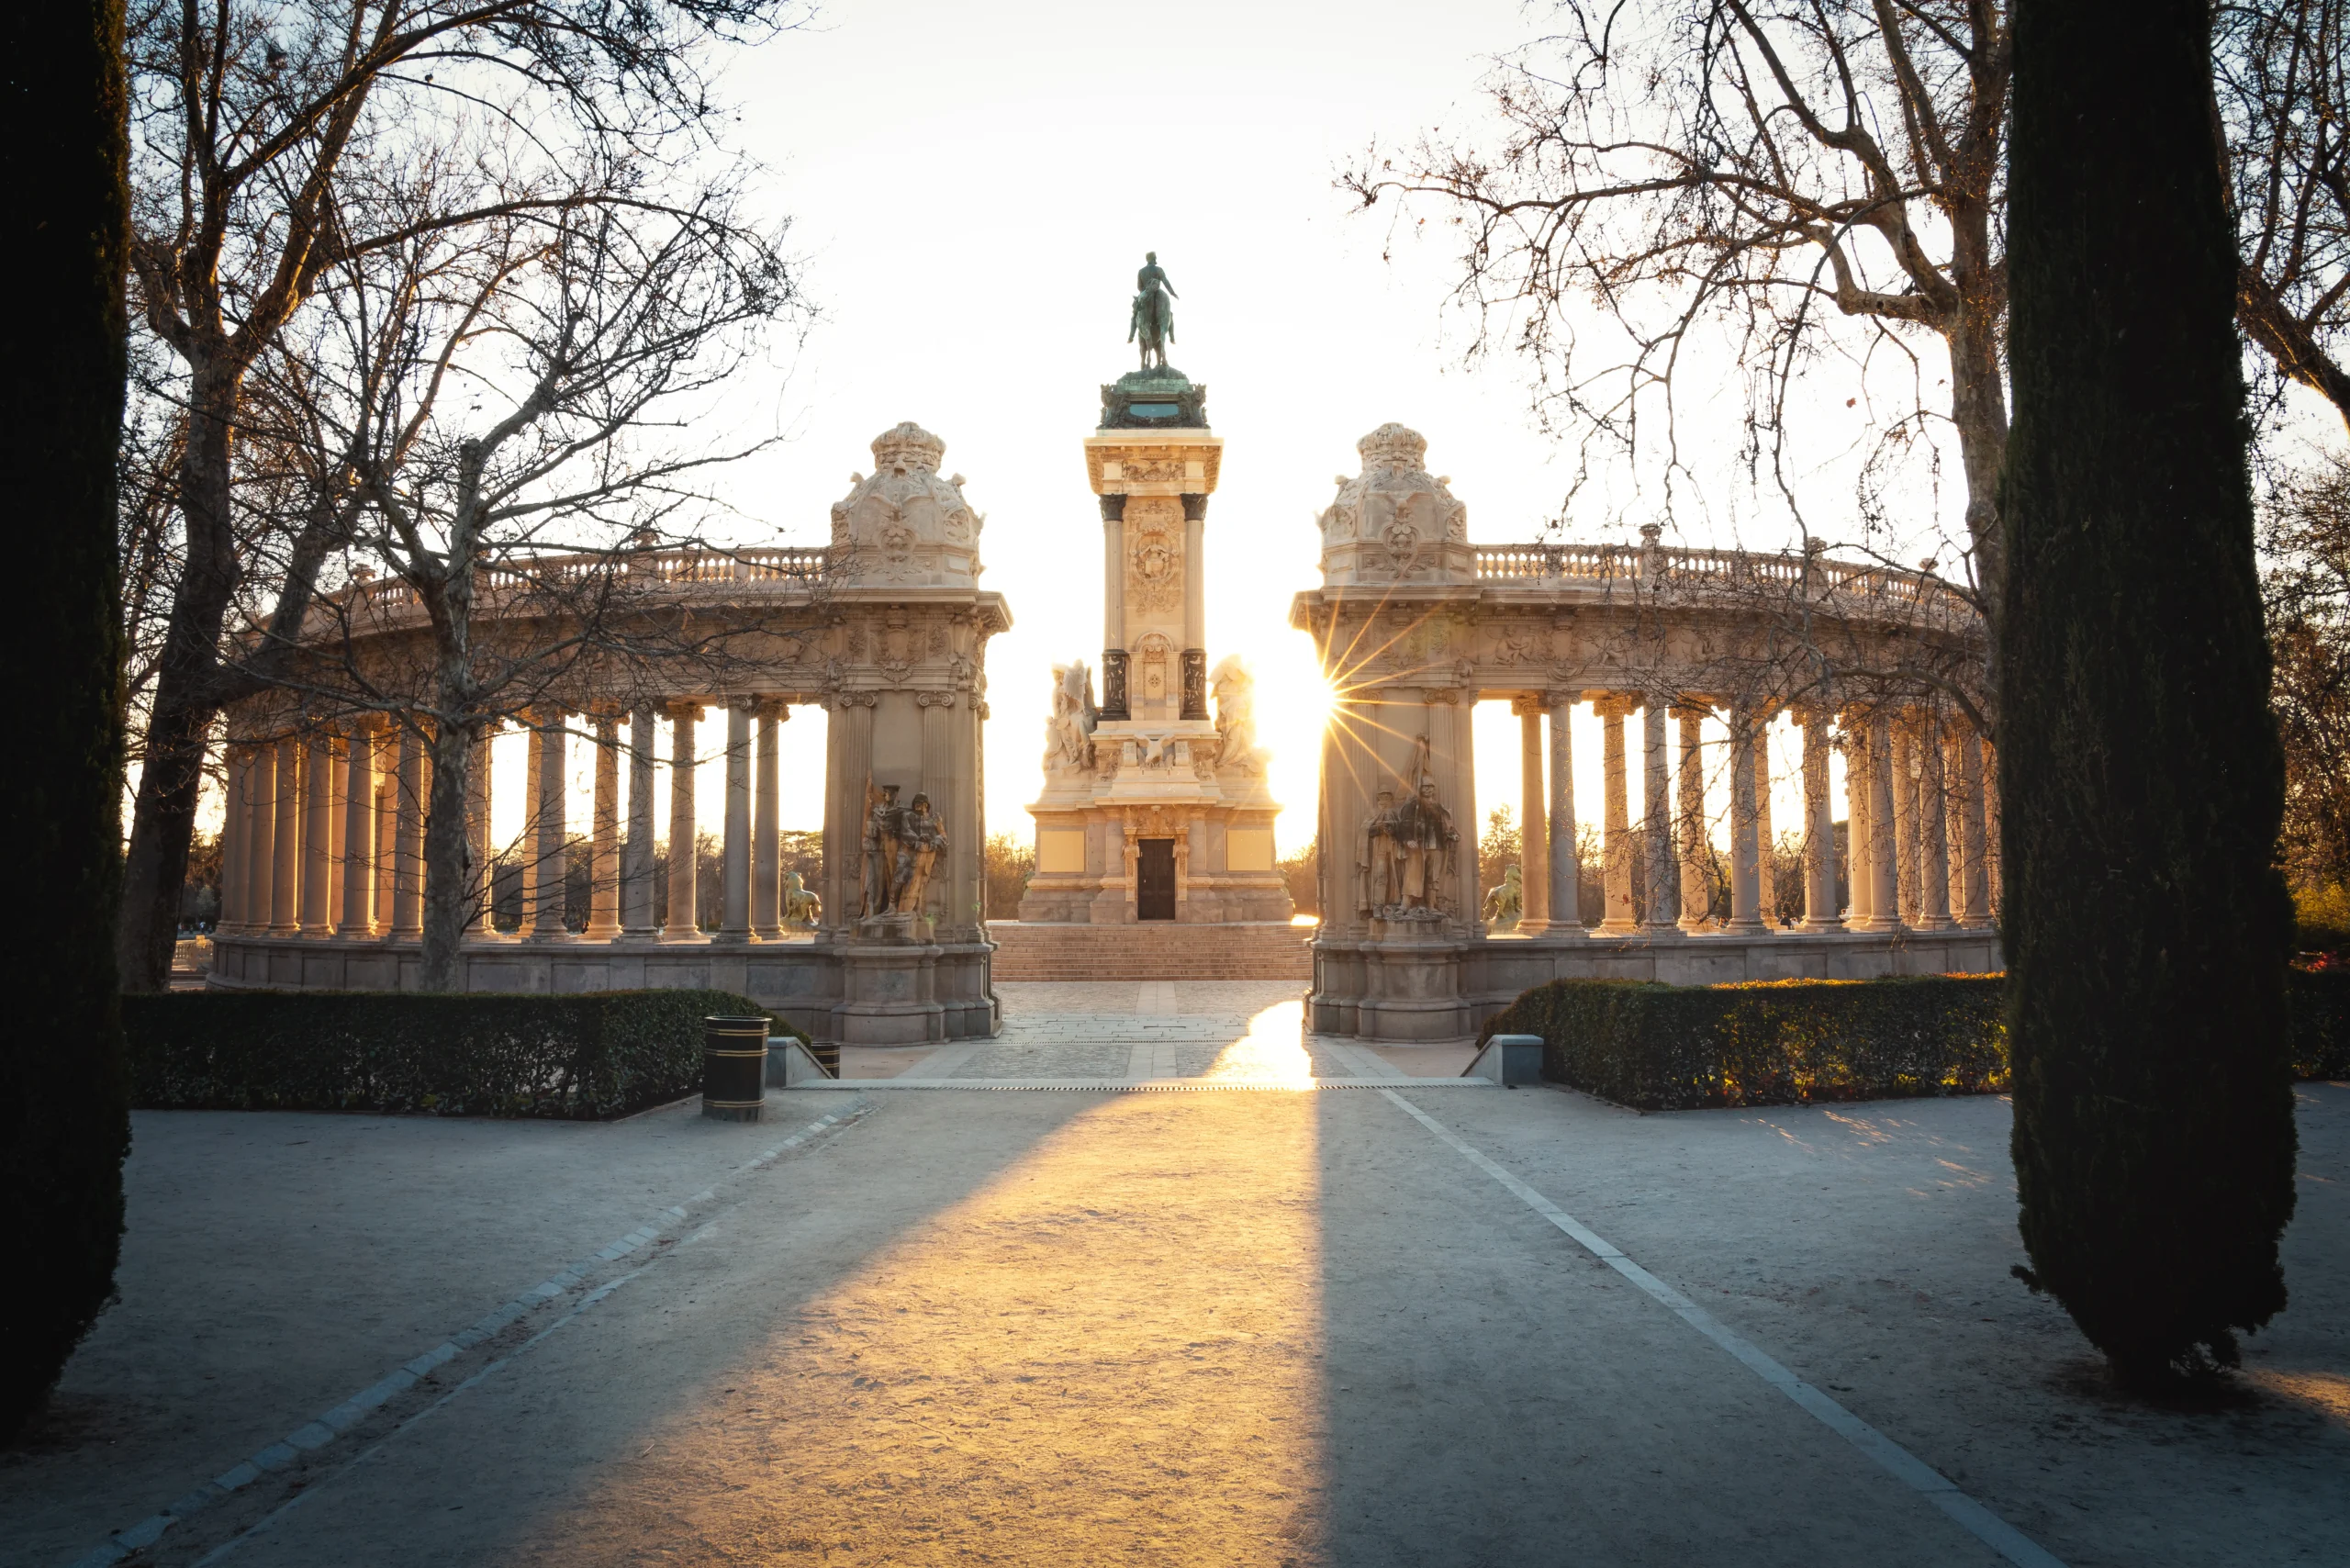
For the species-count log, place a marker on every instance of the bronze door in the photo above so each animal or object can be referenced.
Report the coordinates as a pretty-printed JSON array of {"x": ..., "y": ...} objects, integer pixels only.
[{"x": 1154, "y": 880}]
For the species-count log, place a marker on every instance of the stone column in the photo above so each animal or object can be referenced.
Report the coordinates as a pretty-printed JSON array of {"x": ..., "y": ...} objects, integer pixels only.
[
  {"x": 477, "y": 831},
  {"x": 1819, "y": 911},
  {"x": 338, "y": 822},
  {"x": 317, "y": 834},
  {"x": 1884, "y": 891},
  {"x": 286, "y": 855},
  {"x": 386, "y": 842},
  {"x": 1534, "y": 838},
  {"x": 1116, "y": 703},
  {"x": 1689, "y": 824},
  {"x": 1766, "y": 869},
  {"x": 604, "y": 855},
  {"x": 1933, "y": 811},
  {"x": 407, "y": 850},
  {"x": 1903, "y": 729},
  {"x": 1195, "y": 610},
  {"x": 1616, "y": 823},
  {"x": 261, "y": 802},
  {"x": 735, "y": 911},
  {"x": 1973, "y": 878},
  {"x": 636, "y": 854},
  {"x": 1566, "y": 870},
  {"x": 551, "y": 837},
  {"x": 1350, "y": 780},
  {"x": 359, "y": 835},
  {"x": 681, "y": 926},
  {"x": 935, "y": 717},
  {"x": 766, "y": 826},
  {"x": 848, "y": 769},
  {"x": 1858, "y": 838},
  {"x": 1994, "y": 871},
  {"x": 1745, "y": 845},
  {"x": 1657, "y": 827},
  {"x": 1452, "y": 724},
  {"x": 232, "y": 839}
]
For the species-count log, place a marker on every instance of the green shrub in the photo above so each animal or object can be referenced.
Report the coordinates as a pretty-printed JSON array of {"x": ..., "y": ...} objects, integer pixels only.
[
  {"x": 2317, "y": 1005},
  {"x": 1664, "y": 1047},
  {"x": 582, "y": 1058}
]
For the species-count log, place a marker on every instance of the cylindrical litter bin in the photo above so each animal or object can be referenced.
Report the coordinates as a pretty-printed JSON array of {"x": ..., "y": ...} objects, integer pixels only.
[
  {"x": 828, "y": 1055},
  {"x": 733, "y": 1068}
]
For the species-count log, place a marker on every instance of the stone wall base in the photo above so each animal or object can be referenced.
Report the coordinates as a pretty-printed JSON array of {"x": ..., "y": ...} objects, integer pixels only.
[
  {"x": 1446, "y": 989},
  {"x": 847, "y": 993}
]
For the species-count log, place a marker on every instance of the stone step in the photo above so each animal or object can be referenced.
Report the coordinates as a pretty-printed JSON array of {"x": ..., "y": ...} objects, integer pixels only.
[{"x": 1155, "y": 950}]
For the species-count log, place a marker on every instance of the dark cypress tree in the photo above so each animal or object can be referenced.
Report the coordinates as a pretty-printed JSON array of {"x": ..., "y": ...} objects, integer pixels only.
[
  {"x": 2141, "y": 783},
  {"x": 64, "y": 1123}
]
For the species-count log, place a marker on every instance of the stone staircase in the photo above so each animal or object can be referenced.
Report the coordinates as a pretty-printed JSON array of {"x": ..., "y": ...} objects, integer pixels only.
[{"x": 1152, "y": 950}]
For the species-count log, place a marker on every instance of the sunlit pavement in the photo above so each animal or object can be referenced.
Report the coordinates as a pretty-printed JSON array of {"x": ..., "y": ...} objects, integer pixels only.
[{"x": 1267, "y": 1327}]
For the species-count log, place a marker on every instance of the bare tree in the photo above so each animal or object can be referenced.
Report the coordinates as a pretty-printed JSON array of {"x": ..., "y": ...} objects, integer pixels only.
[
  {"x": 2306, "y": 536},
  {"x": 258, "y": 134},
  {"x": 2281, "y": 74},
  {"x": 1769, "y": 167},
  {"x": 500, "y": 417}
]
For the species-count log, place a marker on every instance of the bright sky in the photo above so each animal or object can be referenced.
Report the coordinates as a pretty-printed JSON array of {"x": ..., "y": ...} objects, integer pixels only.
[{"x": 972, "y": 189}]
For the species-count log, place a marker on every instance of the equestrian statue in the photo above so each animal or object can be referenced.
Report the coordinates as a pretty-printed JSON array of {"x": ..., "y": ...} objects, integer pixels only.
[{"x": 1153, "y": 321}]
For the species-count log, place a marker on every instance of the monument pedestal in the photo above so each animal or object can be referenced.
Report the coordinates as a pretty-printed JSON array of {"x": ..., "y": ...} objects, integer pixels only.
[{"x": 1152, "y": 809}]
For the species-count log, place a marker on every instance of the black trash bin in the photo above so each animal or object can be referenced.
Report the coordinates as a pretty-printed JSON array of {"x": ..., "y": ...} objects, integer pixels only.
[{"x": 733, "y": 1068}]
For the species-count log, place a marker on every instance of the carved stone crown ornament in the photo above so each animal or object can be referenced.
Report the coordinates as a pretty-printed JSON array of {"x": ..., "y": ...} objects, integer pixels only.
[
  {"x": 906, "y": 525},
  {"x": 1395, "y": 521}
]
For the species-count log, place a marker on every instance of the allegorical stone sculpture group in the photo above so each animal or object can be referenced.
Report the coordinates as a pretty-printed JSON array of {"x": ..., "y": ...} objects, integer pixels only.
[
  {"x": 902, "y": 844},
  {"x": 1408, "y": 854}
]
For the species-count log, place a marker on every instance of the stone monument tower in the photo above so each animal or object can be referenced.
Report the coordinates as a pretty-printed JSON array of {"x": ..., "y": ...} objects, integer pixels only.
[{"x": 1154, "y": 809}]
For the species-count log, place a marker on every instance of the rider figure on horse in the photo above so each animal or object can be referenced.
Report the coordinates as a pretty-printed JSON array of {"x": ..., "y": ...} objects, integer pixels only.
[{"x": 1153, "y": 321}]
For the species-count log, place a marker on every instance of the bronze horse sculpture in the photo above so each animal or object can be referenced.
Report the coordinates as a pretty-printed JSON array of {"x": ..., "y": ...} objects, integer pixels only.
[{"x": 1153, "y": 319}]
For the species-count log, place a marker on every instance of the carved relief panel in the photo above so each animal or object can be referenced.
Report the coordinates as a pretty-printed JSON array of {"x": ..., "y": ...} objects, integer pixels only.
[{"x": 1153, "y": 555}]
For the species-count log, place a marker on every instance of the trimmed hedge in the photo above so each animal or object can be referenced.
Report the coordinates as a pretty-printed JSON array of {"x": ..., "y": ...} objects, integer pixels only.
[
  {"x": 1666, "y": 1048},
  {"x": 2317, "y": 1007},
  {"x": 1669, "y": 1047},
  {"x": 583, "y": 1057}
]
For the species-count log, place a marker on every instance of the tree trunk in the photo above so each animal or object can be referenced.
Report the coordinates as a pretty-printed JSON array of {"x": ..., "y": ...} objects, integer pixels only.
[
  {"x": 2140, "y": 777},
  {"x": 64, "y": 1091},
  {"x": 186, "y": 699},
  {"x": 1979, "y": 411},
  {"x": 448, "y": 856}
]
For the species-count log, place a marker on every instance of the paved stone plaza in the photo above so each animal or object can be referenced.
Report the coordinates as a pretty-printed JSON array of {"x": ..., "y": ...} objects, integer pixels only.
[{"x": 1332, "y": 1321}]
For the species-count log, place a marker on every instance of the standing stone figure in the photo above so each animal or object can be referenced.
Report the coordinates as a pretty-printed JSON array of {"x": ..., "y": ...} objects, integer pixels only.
[
  {"x": 883, "y": 816},
  {"x": 1424, "y": 830},
  {"x": 921, "y": 839},
  {"x": 1383, "y": 858},
  {"x": 1153, "y": 319},
  {"x": 1068, "y": 733},
  {"x": 1236, "y": 714}
]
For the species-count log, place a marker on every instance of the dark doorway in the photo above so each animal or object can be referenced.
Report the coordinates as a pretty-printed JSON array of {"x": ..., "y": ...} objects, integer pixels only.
[{"x": 1154, "y": 880}]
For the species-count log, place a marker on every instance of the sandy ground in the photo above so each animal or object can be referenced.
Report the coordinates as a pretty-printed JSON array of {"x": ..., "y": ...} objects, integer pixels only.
[{"x": 1232, "y": 1327}]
